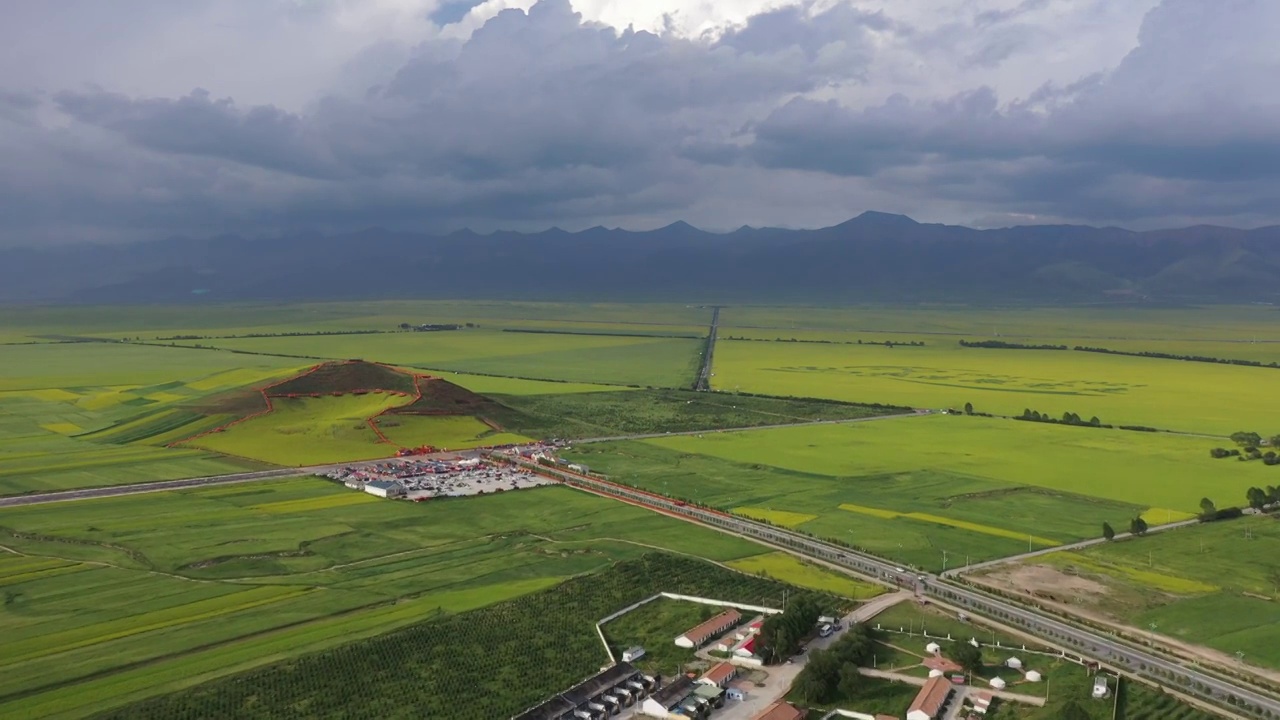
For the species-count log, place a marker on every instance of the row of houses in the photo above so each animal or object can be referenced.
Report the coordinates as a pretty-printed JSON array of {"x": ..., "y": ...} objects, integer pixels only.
[{"x": 596, "y": 698}]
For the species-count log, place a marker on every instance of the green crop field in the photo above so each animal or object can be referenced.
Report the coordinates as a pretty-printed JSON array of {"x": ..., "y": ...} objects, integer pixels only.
[
  {"x": 793, "y": 571},
  {"x": 88, "y": 414},
  {"x": 448, "y": 432},
  {"x": 910, "y": 488},
  {"x": 1215, "y": 584},
  {"x": 47, "y": 324},
  {"x": 1152, "y": 470},
  {"x": 99, "y": 595},
  {"x": 577, "y": 415},
  {"x": 1169, "y": 394},
  {"x": 489, "y": 663},
  {"x": 660, "y": 362},
  {"x": 307, "y": 431}
]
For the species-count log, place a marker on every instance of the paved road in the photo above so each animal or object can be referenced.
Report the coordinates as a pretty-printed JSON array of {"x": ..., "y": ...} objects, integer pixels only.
[
  {"x": 703, "y": 382},
  {"x": 1059, "y": 548},
  {"x": 112, "y": 491},
  {"x": 1111, "y": 651}
]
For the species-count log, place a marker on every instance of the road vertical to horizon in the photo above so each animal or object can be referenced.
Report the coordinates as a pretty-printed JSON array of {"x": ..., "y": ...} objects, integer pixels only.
[{"x": 703, "y": 383}]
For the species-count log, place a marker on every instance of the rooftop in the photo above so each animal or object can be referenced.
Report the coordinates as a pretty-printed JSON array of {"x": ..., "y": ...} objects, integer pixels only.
[
  {"x": 721, "y": 672},
  {"x": 712, "y": 626},
  {"x": 781, "y": 711},
  {"x": 931, "y": 697},
  {"x": 579, "y": 694},
  {"x": 677, "y": 690}
]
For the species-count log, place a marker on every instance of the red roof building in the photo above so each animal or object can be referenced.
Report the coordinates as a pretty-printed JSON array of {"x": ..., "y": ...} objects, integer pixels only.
[
  {"x": 930, "y": 700},
  {"x": 781, "y": 711},
  {"x": 720, "y": 675},
  {"x": 698, "y": 636}
]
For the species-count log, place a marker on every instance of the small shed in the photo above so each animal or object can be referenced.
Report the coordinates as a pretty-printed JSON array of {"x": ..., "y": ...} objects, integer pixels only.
[
  {"x": 1033, "y": 676},
  {"x": 936, "y": 673},
  {"x": 632, "y": 653},
  {"x": 998, "y": 683},
  {"x": 933, "y": 647},
  {"x": 1014, "y": 663},
  {"x": 735, "y": 693}
]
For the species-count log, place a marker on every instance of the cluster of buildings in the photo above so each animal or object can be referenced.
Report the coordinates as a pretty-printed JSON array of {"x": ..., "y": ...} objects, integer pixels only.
[
  {"x": 422, "y": 479},
  {"x": 601, "y": 696}
]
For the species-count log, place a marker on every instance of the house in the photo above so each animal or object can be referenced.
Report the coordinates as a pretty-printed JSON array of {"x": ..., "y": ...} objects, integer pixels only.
[
  {"x": 668, "y": 701},
  {"x": 746, "y": 649},
  {"x": 1014, "y": 663},
  {"x": 781, "y": 711},
  {"x": 981, "y": 702},
  {"x": 720, "y": 675},
  {"x": 632, "y": 653},
  {"x": 931, "y": 699},
  {"x": 1100, "y": 689},
  {"x": 998, "y": 683},
  {"x": 384, "y": 488},
  {"x": 751, "y": 629},
  {"x": 710, "y": 694},
  {"x": 354, "y": 483},
  {"x": 698, "y": 636}
]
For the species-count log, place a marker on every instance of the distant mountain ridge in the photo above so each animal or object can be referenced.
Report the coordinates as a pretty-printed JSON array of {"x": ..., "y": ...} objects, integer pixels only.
[{"x": 873, "y": 257}]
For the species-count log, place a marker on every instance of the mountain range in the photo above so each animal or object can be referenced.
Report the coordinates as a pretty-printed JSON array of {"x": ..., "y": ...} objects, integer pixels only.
[{"x": 875, "y": 257}]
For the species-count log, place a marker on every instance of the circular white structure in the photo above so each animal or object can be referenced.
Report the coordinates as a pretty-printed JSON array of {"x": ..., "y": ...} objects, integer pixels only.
[
  {"x": 1033, "y": 676},
  {"x": 933, "y": 647},
  {"x": 998, "y": 683},
  {"x": 1014, "y": 663},
  {"x": 935, "y": 673}
]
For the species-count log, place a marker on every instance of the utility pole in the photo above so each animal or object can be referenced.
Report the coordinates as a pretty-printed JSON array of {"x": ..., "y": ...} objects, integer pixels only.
[{"x": 944, "y": 561}]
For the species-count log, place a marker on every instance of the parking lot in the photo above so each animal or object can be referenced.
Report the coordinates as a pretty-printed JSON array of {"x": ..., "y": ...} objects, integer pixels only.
[{"x": 426, "y": 478}]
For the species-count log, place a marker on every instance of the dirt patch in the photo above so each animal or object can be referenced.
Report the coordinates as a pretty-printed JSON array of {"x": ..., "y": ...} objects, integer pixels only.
[
  {"x": 352, "y": 376},
  {"x": 441, "y": 397},
  {"x": 1044, "y": 581}
]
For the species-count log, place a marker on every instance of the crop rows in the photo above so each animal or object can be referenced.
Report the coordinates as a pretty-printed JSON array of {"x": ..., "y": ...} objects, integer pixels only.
[{"x": 486, "y": 663}]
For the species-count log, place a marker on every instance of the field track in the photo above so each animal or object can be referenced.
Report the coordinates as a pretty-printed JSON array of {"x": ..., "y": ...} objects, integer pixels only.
[{"x": 117, "y": 490}]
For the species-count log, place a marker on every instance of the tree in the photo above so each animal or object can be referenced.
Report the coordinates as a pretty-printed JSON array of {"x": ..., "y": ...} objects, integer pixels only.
[
  {"x": 967, "y": 656},
  {"x": 968, "y": 408},
  {"x": 1274, "y": 441},
  {"x": 1108, "y": 532},
  {"x": 1207, "y": 509},
  {"x": 1138, "y": 526},
  {"x": 1257, "y": 497},
  {"x": 821, "y": 678},
  {"x": 850, "y": 681},
  {"x": 1246, "y": 439},
  {"x": 1094, "y": 421}
]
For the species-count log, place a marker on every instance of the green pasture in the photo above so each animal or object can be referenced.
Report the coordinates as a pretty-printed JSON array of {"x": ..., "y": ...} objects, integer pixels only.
[
  {"x": 654, "y": 627},
  {"x": 1168, "y": 394},
  {"x": 102, "y": 594},
  {"x": 1151, "y": 470},
  {"x": 88, "y": 414},
  {"x": 493, "y": 385},
  {"x": 308, "y": 431},
  {"x": 912, "y": 513},
  {"x": 1215, "y": 584},
  {"x": 147, "y": 322},
  {"x": 454, "y": 432},
  {"x": 660, "y": 362},
  {"x": 1239, "y": 323},
  {"x": 576, "y": 415}
]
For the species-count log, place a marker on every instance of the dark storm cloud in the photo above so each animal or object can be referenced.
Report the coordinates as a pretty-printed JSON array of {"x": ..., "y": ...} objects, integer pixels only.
[{"x": 539, "y": 118}]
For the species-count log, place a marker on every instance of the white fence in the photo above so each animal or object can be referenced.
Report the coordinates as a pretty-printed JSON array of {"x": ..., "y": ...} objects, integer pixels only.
[{"x": 722, "y": 603}]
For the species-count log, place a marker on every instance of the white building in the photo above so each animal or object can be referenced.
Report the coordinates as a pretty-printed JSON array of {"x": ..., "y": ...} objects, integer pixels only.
[
  {"x": 1100, "y": 689},
  {"x": 998, "y": 683},
  {"x": 632, "y": 653},
  {"x": 384, "y": 489},
  {"x": 1014, "y": 663},
  {"x": 1033, "y": 676}
]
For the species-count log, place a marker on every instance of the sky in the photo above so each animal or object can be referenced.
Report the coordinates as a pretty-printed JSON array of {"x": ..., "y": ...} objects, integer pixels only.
[{"x": 139, "y": 119}]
